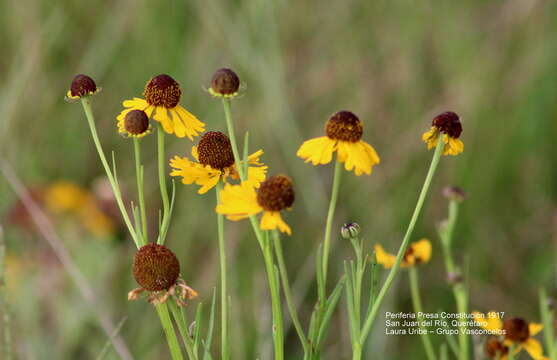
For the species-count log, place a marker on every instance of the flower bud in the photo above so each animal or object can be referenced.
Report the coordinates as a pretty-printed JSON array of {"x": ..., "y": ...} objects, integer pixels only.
[
  {"x": 225, "y": 82},
  {"x": 350, "y": 231},
  {"x": 454, "y": 193},
  {"x": 82, "y": 85}
]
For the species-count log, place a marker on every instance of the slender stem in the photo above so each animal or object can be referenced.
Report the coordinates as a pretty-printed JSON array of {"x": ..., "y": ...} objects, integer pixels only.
[
  {"x": 394, "y": 270},
  {"x": 225, "y": 351},
  {"x": 183, "y": 328},
  {"x": 288, "y": 291},
  {"x": 330, "y": 214},
  {"x": 86, "y": 102},
  {"x": 547, "y": 319},
  {"x": 264, "y": 243},
  {"x": 162, "y": 184},
  {"x": 232, "y": 136},
  {"x": 417, "y": 302},
  {"x": 278, "y": 332},
  {"x": 171, "y": 338},
  {"x": 140, "y": 192},
  {"x": 459, "y": 290},
  {"x": 6, "y": 318}
]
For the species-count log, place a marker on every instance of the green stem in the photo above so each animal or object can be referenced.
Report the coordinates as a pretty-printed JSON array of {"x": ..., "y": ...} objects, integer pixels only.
[
  {"x": 183, "y": 328},
  {"x": 6, "y": 318},
  {"x": 172, "y": 339},
  {"x": 459, "y": 289},
  {"x": 547, "y": 319},
  {"x": 417, "y": 302},
  {"x": 162, "y": 183},
  {"x": 232, "y": 136},
  {"x": 264, "y": 243},
  {"x": 86, "y": 102},
  {"x": 394, "y": 270},
  {"x": 140, "y": 192},
  {"x": 288, "y": 292},
  {"x": 225, "y": 351},
  {"x": 278, "y": 332},
  {"x": 330, "y": 214}
]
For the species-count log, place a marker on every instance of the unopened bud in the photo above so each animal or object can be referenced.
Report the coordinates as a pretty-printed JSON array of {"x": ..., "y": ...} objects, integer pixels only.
[{"x": 350, "y": 231}]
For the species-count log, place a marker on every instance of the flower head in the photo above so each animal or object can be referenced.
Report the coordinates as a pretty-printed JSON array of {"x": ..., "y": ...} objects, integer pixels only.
[
  {"x": 214, "y": 161},
  {"x": 225, "y": 83},
  {"x": 495, "y": 349},
  {"x": 134, "y": 124},
  {"x": 82, "y": 85},
  {"x": 344, "y": 136},
  {"x": 157, "y": 270},
  {"x": 447, "y": 123},
  {"x": 454, "y": 193},
  {"x": 274, "y": 195},
  {"x": 162, "y": 103},
  {"x": 417, "y": 253},
  {"x": 350, "y": 231},
  {"x": 516, "y": 331}
]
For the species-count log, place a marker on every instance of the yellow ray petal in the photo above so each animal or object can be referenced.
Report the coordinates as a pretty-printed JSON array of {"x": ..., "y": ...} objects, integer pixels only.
[
  {"x": 490, "y": 322},
  {"x": 422, "y": 250},
  {"x": 194, "y": 153},
  {"x": 136, "y": 103},
  {"x": 179, "y": 126},
  {"x": 254, "y": 158},
  {"x": 534, "y": 328},
  {"x": 207, "y": 183},
  {"x": 430, "y": 137},
  {"x": 358, "y": 156},
  {"x": 272, "y": 220},
  {"x": 161, "y": 115},
  {"x": 192, "y": 125},
  {"x": 453, "y": 146},
  {"x": 383, "y": 257},
  {"x": 256, "y": 175},
  {"x": 534, "y": 348},
  {"x": 238, "y": 201},
  {"x": 318, "y": 151}
]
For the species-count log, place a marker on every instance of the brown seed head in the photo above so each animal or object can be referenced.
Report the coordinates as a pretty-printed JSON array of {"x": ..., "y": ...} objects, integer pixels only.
[
  {"x": 516, "y": 329},
  {"x": 448, "y": 123},
  {"x": 82, "y": 85},
  {"x": 155, "y": 267},
  {"x": 454, "y": 193},
  {"x": 136, "y": 122},
  {"x": 344, "y": 126},
  {"x": 276, "y": 193},
  {"x": 214, "y": 149},
  {"x": 493, "y": 347},
  {"x": 225, "y": 82},
  {"x": 162, "y": 90}
]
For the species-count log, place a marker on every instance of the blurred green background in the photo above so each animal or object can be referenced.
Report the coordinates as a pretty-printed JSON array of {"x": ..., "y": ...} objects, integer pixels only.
[{"x": 394, "y": 63}]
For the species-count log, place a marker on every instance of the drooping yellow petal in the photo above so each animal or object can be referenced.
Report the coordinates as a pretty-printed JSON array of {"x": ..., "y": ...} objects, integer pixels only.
[
  {"x": 491, "y": 322},
  {"x": 191, "y": 125},
  {"x": 253, "y": 159},
  {"x": 358, "y": 156},
  {"x": 136, "y": 103},
  {"x": 421, "y": 250},
  {"x": 194, "y": 153},
  {"x": 192, "y": 172},
  {"x": 161, "y": 115},
  {"x": 238, "y": 201},
  {"x": 179, "y": 126},
  {"x": 430, "y": 137},
  {"x": 318, "y": 151},
  {"x": 383, "y": 257},
  {"x": 534, "y": 348},
  {"x": 272, "y": 220},
  {"x": 534, "y": 328},
  {"x": 453, "y": 146},
  {"x": 256, "y": 175}
]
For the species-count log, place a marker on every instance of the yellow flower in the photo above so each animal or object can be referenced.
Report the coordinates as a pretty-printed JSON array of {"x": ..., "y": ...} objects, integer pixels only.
[
  {"x": 134, "y": 124},
  {"x": 162, "y": 96},
  {"x": 344, "y": 133},
  {"x": 82, "y": 85},
  {"x": 214, "y": 160},
  {"x": 417, "y": 253},
  {"x": 446, "y": 123},
  {"x": 516, "y": 331},
  {"x": 273, "y": 195}
]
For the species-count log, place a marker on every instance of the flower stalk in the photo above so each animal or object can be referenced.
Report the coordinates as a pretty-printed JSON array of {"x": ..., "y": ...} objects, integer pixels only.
[
  {"x": 460, "y": 292},
  {"x": 225, "y": 351},
  {"x": 330, "y": 215},
  {"x": 396, "y": 267},
  {"x": 162, "y": 184},
  {"x": 418, "y": 308},
  {"x": 140, "y": 191}
]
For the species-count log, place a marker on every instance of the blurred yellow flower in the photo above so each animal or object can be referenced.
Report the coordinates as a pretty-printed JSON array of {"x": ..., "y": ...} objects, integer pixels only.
[
  {"x": 344, "y": 133},
  {"x": 274, "y": 194},
  {"x": 162, "y": 96},
  {"x": 214, "y": 160},
  {"x": 516, "y": 331},
  {"x": 418, "y": 252},
  {"x": 446, "y": 123}
]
